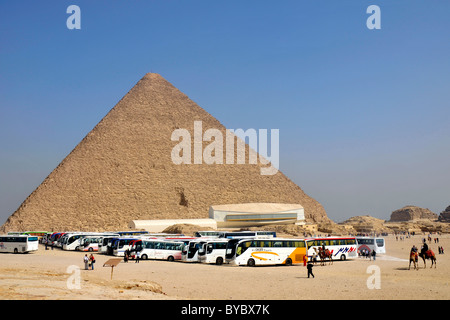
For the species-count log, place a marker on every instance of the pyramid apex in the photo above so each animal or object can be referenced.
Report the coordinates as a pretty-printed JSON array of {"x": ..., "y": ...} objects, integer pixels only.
[
  {"x": 152, "y": 75},
  {"x": 151, "y": 79}
]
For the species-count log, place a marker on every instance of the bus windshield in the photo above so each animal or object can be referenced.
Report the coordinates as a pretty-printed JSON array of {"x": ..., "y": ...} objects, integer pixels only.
[{"x": 380, "y": 242}]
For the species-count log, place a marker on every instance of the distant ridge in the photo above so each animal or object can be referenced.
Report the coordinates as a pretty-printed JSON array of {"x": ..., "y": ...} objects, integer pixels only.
[
  {"x": 409, "y": 213},
  {"x": 445, "y": 215},
  {"x": 122, "y": 171}
]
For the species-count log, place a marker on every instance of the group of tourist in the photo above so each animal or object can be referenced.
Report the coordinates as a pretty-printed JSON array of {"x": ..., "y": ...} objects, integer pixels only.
[
  {"x": 89, "y": 262},
  {"x": 127, "y": 255},
  {"x": 367, "y": 253}
]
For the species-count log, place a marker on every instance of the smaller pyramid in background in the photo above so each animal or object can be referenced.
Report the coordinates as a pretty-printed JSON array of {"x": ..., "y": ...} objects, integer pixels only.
[{"x": 122, "y": 171}]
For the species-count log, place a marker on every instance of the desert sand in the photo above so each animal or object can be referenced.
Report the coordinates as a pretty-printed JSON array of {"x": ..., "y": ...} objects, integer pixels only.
[{"x": 44, "y": 275}]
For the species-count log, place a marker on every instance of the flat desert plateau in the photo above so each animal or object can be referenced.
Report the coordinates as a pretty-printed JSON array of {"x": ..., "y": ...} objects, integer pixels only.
[{"x": 49, "y": 275}]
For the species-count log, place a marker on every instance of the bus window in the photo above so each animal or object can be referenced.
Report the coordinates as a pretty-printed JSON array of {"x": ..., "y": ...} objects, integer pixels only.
[
  {"x": 243, "y": 247},
  {"x": 299, "y": 244},
  {"x": 380, "y": 242},
  {"x": 260, "y": 244},
  {"x": 267, "y": 244}
]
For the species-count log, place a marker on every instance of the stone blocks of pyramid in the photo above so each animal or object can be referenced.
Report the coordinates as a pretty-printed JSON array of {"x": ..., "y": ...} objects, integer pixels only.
[{"x": 122, "y": 171}]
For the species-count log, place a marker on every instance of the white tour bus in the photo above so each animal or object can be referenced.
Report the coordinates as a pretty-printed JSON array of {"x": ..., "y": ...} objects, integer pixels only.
[
  {"x": 209, "y": 233},
  {"x": 105, "y": 244},
  {"x": 371, "y": 243},
  {"x": 59, "y": 241},
  {"x": 236, "y": 234},
  {"x": 341, "y": 248},
  {"x": 159, "y": 249},
  {"x": 64, "y": 238},
  {"x": 18, "y": 243},
  {"x": 93, "y": 242},
  {"x": 122, "y": 244},
  {"x": 190, "y": 250},
  {"x": 72, "y": 241},
  {"x": 213, "y": 251},
  {"x": 249, "y": 234},
  {"x": 273, "y": 251},
  {"x": 55, "y": 237},
  {"x": 90, "y": 243}
]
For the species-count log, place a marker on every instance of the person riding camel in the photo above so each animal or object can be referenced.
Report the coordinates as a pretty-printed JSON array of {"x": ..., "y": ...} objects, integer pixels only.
[{"x": 424, "y": 249}]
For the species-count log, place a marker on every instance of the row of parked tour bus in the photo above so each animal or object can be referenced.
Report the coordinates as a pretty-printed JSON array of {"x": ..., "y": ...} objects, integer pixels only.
[{"x": 213, "y": 247}]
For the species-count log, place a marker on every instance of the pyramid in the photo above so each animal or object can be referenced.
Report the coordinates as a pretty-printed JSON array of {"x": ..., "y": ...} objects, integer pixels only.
[{"x": 122, "y": 171}]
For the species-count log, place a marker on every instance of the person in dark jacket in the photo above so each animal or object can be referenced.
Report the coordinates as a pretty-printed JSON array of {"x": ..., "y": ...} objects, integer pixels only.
[{"x": 309, "y": 266}]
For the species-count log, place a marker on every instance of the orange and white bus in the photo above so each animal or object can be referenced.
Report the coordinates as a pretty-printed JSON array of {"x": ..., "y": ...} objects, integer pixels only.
[
  {"x": 341, "y": 248},
  {"x": 274, "y": 251}
]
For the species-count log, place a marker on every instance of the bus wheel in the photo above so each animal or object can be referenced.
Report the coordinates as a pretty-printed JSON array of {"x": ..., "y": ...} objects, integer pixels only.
[
  {"x": 251, "y": 262},
  {"x": 289, "y": 262},
  {"x": 144, "y": 257},
  {"x": 343, "y": 257},
  {"x": 219, "y": 261},
  {"x": 15, "y": 250},
  {"x": 170, "y": 258},
  {"x": 90, "y": 249}
]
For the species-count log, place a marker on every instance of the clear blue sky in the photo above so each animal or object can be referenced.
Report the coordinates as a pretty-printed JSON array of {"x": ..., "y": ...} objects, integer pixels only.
[{"x": 363, "y": 114}]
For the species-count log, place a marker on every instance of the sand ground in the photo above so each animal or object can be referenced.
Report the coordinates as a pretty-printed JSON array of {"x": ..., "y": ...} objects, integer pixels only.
[{"x": 47, "y": 275}]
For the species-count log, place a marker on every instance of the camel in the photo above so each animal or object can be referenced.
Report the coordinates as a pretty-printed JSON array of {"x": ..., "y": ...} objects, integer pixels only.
[
  {"x": 324, "y": 255},
  {"x": 413, "y": 258},
  {"x": 428, "y": 255}
]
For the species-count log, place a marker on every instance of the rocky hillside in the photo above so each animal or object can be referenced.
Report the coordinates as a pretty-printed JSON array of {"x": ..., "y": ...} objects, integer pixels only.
[
  {"x": 411, "y": 213},
  {"x": 366, "y": 224},
  {"x": 445, "y": 215}
]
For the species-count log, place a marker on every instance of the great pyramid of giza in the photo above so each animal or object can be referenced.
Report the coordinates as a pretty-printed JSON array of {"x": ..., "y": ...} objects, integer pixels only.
[{"x": 122, "y": 171}]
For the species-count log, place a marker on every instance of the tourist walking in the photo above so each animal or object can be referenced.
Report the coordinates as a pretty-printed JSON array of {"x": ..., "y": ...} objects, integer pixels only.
[
  {"x": 86, "y": 262},
  {"x": 314, "y": 257},
  {"x": 92, "y": 261},
  {"x": 309, "y": 267},
  {"x": 138, "y": 255}
]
